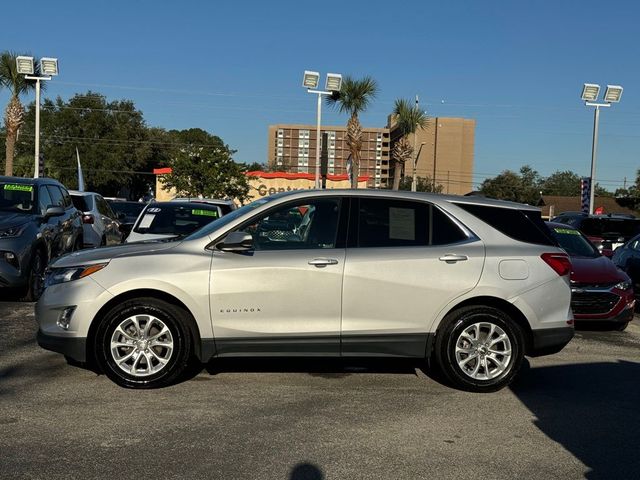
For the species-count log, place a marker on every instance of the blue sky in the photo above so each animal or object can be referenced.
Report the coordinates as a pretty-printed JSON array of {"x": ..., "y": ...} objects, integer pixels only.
[{"x": 233, "y": 68}]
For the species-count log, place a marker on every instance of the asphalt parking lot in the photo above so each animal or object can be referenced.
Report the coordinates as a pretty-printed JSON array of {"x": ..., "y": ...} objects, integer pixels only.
[{"x": 572, "y": 415}]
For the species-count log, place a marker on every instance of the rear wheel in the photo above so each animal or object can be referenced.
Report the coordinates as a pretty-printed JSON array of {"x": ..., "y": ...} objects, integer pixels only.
[
  {"x": 143, "y": 343},
  {"x": 479, "y": 348}
]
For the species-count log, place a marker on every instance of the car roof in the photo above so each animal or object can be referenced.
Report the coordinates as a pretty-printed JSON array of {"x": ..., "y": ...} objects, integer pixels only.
[
  {"x": 83, "y": 194},
  {"x": 183, "y": 203},
  {"x": 217, "y": 201},
  {"x": 403, "y": 194},
  {"x": 30, "y": 181}
]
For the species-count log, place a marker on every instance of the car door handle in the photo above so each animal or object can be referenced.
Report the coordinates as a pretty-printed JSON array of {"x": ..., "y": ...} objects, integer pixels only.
[
  {"x": 452, "y": 258},
  {"x": 323, "y": 262}
]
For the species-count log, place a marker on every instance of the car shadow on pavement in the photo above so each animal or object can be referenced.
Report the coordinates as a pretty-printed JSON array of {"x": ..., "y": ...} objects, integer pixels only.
[
  {"x": 592, "y": 410},
  {"x": 317, "y": 367}
]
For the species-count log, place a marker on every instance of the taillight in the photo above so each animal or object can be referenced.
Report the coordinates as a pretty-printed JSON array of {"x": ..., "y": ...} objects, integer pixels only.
[
  {"x": 87, "y": 218},
  {"x": 559, "y": 262}
]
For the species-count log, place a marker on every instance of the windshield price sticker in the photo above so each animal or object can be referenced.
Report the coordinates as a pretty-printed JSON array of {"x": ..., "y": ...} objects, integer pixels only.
[
  {"x": 205, "y": 213},
  {"x": 18, "y": 188},
  {"x": 567, "y": 231}
]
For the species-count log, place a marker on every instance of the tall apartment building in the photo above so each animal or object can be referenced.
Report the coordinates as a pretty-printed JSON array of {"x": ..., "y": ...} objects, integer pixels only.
[
  {"x": 445, "y": 149},
  {"x": 292, "y": 148}
]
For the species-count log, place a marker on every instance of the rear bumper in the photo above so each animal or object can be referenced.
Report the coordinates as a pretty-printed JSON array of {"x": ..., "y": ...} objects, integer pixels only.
[
  {"x": 550, "y": 340},
  {"x": 73, "y": 347}
]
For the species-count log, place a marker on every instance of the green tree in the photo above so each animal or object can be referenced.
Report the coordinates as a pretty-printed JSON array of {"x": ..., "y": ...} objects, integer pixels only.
[
  {"x": 409, "y": 118},
  {"x": 354, "y": 98},
  {"x": 423, "y": 184},
  {"x": 14, "y": 113},
  {"x": 523, "y": 187},
  {"x": 565, "y": 183},
  {"x": 630, "y": 197},
  {"x": 114, "y": 144},
  {"x": 208, "y": 172}
]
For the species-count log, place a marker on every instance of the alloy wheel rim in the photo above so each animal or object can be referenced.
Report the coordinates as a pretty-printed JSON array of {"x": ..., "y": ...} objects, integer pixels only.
[
  {"x": 141, "y": 345},
  {"x": 483, "y": 351}
]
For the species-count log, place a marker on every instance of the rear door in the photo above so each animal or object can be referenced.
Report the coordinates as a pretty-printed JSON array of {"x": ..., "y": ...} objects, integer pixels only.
[{"x": 406, "y": 260}]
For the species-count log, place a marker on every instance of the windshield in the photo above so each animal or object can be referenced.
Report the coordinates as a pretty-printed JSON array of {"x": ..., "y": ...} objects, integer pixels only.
[
  {"x": 17, "y": 198},
  {"x": 574, "y": 242},
  {"x": 230, "y": 217},
  {"x": 175, "y": 219}
]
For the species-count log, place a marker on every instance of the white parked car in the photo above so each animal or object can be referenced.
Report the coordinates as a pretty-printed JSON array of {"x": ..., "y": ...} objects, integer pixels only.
[
  {"x": 100, "y": 224},
  {"x": 469, "y": 283}
]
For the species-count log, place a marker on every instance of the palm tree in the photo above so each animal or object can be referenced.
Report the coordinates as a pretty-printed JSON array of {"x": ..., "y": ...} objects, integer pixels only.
[
  {"x": 408, "y": 118},
  {"x": 355, "y": 96},
  {"x": 14, "y": 114}
]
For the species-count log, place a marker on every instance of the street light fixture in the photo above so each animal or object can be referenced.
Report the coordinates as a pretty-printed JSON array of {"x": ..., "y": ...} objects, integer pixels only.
[
  {"x": 48, "y": 67},
  {"x": 590, "y": 92},
  {"x": 333, "y": 84}
]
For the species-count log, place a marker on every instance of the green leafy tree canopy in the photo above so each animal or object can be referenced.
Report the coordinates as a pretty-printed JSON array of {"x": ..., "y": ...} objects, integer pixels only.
[{"x": 208, "y": 172}]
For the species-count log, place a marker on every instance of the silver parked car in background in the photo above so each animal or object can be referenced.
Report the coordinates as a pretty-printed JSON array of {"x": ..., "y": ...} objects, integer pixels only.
[
  {"x": 469, "y": 283},
  {"x": 101, "y": 225}
]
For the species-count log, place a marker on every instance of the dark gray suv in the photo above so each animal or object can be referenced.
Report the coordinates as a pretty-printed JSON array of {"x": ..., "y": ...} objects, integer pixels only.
[{"x": 38, "y": 222}]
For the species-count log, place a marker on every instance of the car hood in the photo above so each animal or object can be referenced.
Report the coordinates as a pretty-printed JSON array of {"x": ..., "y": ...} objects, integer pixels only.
[
  {"x": 9, "y": 219},
  {"x": 599, "y": 270},
  {"x": 104, "y": 254}
]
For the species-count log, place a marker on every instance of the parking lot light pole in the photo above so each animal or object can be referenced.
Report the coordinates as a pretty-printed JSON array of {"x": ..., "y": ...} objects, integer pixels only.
[
  {"x": 48, "y": 68},
  {"x": 414, "y": 179},
  {"x": 333, "y": 84},
  {"x": 590, "y": 92}
]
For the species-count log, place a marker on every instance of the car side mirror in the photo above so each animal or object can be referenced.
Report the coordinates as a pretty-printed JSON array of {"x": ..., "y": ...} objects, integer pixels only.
[
  {"x": 236, "y": 242},
  {"x": 54, "y": 212}
]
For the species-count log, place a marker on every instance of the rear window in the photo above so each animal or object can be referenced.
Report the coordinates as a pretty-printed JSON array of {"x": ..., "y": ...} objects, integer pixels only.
[
  {"x": 522, "y": 225},
  {"x": 130, "y": 209},
  {"x": 574, "y": 242},
  {"x": 176, "y": 219},
  {"x": 82, "y": 203}
]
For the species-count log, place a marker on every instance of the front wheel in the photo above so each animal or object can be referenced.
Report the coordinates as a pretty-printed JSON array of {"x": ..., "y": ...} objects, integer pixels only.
[
  {"x": 479, "y": 348},
  {"x": 143, "y": 343},
  {"x": 35, "y": 285}
]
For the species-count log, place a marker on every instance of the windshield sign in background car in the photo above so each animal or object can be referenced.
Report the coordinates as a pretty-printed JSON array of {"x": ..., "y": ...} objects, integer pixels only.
[
  {"x": 37, "y": 223},
  {"x": 471, "y": 284},
  {"x": 172, "y": 219}
]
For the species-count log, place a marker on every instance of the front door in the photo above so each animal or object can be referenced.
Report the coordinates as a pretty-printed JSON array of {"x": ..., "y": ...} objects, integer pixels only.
[{"x": 284, "y": 297}]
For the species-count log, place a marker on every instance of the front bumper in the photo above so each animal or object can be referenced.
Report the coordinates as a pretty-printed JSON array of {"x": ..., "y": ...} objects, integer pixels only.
[{"x": 72, "y": 347}]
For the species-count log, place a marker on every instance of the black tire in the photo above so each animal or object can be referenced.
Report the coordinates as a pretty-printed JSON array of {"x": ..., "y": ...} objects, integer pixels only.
[
  {"x": 479, "y": 373},
  {"x": 35, "y": 285},
  {"x": 140, "y": 373},
  {"x": 621, "y": 327}
]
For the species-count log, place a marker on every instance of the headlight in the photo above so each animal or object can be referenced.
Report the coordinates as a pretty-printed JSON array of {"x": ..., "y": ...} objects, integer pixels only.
[
  {"x": 623, "y": 286},
  {"x": 13, "y": 231},
  {"x": 62, "y": 275}
]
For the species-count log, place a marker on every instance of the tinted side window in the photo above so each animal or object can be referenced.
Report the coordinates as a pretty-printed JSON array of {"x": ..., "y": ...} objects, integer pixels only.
[
  {"x": 444, "y": 231},
  {"x": 103, "y": 207},
  {"x": 44, "y": 199},
  {"x": 308, "y": 225},
  {"x": 57, "y": 200},
  {"x": 522, "y": 225},
  {"x": 66, "y": 198},
  {"x": 392, "y": 223}
]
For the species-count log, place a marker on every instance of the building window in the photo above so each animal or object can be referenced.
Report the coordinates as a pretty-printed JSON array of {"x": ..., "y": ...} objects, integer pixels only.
[{"x": 280, "y": 133}]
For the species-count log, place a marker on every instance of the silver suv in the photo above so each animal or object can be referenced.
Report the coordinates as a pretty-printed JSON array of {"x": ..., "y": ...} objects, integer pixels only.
[{"x": 469, "y": 283}]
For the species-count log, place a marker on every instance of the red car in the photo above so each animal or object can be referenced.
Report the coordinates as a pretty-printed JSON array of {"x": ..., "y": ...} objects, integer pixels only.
[{"x": 600, "y": 290}]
